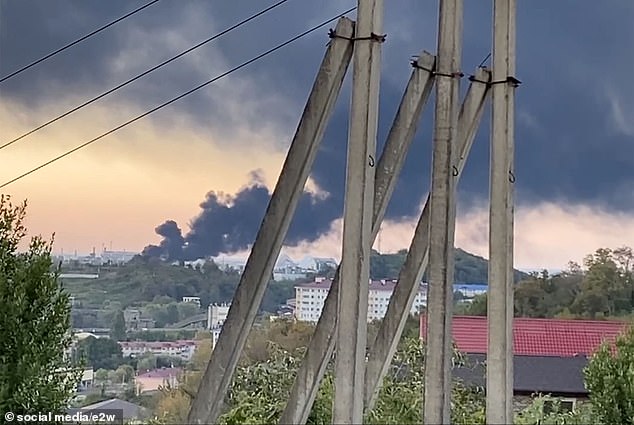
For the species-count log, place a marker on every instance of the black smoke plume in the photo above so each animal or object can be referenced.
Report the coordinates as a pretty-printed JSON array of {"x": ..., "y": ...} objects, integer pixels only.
[{"x": 229, "y": 224}]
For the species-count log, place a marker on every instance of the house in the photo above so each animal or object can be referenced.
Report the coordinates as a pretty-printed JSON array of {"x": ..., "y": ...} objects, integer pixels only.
[
  {"x": 87, "y": 379},
  {"x": 156, "y": 379},
  {"x": 549, "y": 354},
  {"x": 126, "y": 412},
  {"x": 193, "y": 300},
  {"x": 134, "y": 320}
]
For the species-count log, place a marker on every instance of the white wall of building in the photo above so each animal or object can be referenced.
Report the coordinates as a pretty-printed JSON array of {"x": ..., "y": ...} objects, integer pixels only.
[
  {"x": 310, "y": 299},
  {"x": 182, "y": 349},
  {"x": 217, "y": 314}
]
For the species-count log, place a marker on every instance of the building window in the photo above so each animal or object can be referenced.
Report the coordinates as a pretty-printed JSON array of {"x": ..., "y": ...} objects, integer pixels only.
[{"x": 563, "y": 405}]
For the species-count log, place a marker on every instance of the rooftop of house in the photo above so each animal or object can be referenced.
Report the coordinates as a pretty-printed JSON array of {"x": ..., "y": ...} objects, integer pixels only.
[
  {"x": 536, "y": 337},
  {"x": 557, "y": 376},
  {"x": 129, "y": 410},
  {"x": 166, "y": 372}
]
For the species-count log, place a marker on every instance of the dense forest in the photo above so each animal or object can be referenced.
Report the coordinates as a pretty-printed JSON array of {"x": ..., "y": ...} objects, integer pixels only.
[{"x": 602, "y": 288}]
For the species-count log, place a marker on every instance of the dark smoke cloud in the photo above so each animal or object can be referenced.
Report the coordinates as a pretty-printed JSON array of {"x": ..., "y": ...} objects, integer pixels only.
[
  {"x": 229, "y": 224},
  {"x": 172, "y": 244}
]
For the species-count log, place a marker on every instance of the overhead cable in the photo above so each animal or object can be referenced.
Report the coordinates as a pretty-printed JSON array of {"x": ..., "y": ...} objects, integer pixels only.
[
  {"x": 163, "y": 105},
  {"x": 154, "y": 68}
]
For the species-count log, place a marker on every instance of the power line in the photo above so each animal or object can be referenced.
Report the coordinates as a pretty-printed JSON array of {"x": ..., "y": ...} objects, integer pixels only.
[
  {"x": 106, "y": 93},
  {"x": 224, "y": 74},
  {"x": 79, "y": 40}
]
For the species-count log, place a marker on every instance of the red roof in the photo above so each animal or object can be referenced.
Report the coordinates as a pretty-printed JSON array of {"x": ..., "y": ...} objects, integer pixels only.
[{"x": 536, "y": 337}]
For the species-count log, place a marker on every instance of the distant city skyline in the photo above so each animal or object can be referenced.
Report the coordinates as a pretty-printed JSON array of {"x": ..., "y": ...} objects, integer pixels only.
[{"x": 299, "y": 255}]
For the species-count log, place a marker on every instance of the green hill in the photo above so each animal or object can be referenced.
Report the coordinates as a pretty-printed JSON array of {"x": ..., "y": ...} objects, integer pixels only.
[{"x": 469, "y": 268}]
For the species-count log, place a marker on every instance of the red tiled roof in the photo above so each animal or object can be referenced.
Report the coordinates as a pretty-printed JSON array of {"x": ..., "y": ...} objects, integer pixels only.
[{"x": 536, "y": 337}]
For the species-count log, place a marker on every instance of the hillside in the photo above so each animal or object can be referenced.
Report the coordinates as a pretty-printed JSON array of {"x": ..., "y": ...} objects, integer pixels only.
[
  {"x": 146, "y": 281},
  {"x": 468, "y": 268}
]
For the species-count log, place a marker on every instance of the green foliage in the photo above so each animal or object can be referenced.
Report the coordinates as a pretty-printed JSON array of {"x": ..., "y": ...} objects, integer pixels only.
[
  {"x": 35, "y": 374},
  {"x": 117, "y": 330},
  {"x": 260, "y": 390},
  {"x": 604, "y": 289},
  {"x": 609, "y": 378},
  {"x": 100, "y": 353},
  {"x": 143, "y": 280},
  {"x": 101, "y": 375},
  {"x": 545, "y": 410}
]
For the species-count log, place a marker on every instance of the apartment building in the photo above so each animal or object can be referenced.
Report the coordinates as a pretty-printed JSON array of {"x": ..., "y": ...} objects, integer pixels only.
[
  {"x": 310, "y": 298},
  {"x": 216, "y": 316},
  {"x": 183, "y": 349}
]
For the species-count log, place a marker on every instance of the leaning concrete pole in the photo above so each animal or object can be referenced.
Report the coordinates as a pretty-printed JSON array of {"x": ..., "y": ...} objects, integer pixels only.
[
  {"x": 500, "y": 299},
  {"x": 208, "y": 403},
  {"x": 322, "y": 343},
  {"x": 399, "y": 308},
  {"x": 358, "y": 210},
  {"x": 437, "y": 396}
]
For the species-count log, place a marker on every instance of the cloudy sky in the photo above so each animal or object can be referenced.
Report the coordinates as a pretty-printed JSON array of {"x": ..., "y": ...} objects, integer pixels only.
[{"x": 574, "y": 129}]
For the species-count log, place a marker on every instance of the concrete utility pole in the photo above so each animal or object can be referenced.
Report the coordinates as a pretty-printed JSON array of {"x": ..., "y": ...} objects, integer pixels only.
[
  {"x": 499, "y": 409},
  {"x": 400, "y": 137},
  {"x": 437, "y": 404},
  {"x": 358, "y": 210},
  {"x": 389, "y": 335},
  {"x": 208, "y": 403}
]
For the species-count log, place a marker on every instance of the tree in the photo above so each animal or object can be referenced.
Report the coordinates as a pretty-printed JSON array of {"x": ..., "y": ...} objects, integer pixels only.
[
  {"x": 35, "y": 333},
  {"x": 117, "y": 330},
  {"x": 609, "y": 379},
  {"x": 101, "y": 375},
  {"x": 100, "y": 353},
  {"x": 124, "y": 373}
]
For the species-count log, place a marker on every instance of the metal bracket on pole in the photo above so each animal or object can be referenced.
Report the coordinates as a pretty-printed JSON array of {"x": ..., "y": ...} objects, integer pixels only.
[
  {"x": 208, "y": 403},
  {"x": 499, "y": 406},
  {"x": 322, "y": 343},
  {"x": 386, "y": 342}
]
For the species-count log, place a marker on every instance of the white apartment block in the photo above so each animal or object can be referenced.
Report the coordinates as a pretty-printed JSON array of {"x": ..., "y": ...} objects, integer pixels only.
[
  {"x": 216, "y": 316},
  {"x": 183, "y": 349},
  {"x": 310, "y": 298}
]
